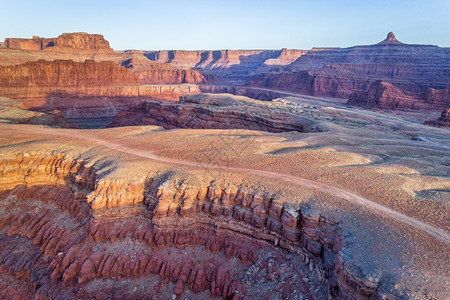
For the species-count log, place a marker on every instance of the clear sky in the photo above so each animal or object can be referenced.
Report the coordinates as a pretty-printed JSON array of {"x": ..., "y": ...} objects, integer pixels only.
[{"x": 231, "y": 24}]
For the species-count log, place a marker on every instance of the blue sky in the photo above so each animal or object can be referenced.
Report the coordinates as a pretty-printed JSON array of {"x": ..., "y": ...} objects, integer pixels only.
[{"x": 232, "y": 24}]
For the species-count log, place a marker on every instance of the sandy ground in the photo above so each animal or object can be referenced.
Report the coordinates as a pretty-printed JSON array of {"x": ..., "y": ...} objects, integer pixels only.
[{"x": 383, "y": 176}]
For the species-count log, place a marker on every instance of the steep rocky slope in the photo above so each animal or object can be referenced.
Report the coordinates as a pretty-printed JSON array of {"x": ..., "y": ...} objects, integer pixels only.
[
  {"x": 381, "y": 94},
  {"x": 120, "y": 213},
  {"x": 242, "y": 60},
  {"x": 84, "y": 46},
  {"x": 43, "y": 79},
  {"x": 338, "y": 72},
  {"x": 227, "y": 66},
  {"x": 82, "y": 233},
  {"x": 81, "y": 90},
  {"x": 222, "y": 111},
  {"x": 150, "y": 72}
]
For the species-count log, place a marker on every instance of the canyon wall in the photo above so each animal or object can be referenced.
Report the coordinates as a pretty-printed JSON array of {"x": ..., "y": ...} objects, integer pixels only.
[
  {"x": 80, "y": 89},
  {"x": 68, "y": 233},
  {"x": 381, "y": 94},
  {"x": 438, "y": 97},
  {"x": 46, "y": 79},
  {"x": 207, "y": 111},
  {"x": 241, "y": 60},
  {"x": 339, "y": 72},
  {"x": 150, "y": 72}
]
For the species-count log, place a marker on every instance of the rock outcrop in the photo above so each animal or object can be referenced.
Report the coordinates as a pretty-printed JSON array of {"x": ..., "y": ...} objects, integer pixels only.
[
  {"x": 438, "y": 97},
  {"x": 243, "y": 60},
  {"x": 251, "y": 92},
  {"x": 390, "y": 39},
  {"x": 67, "y": 233},
  {"x": 442, "y": 121},
  {"x": 14, "y": 112},
  {"x": 150, "y": 72},
  {"x": 208, "y": 111},
  {"x": 385, "y": 95},
  {"x": 339, "y": 72},
  {"x": 67, "y": 42},
  {"x": 44, "y": 79},
  {"x": 81, "y": 90}
]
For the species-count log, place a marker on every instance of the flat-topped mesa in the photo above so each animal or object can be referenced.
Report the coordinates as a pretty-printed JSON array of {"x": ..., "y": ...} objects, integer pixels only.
[
  {"x": 390, "y": 40},
  {"x": 82, "y": 41},
  {"x": 65, "y": 42}
]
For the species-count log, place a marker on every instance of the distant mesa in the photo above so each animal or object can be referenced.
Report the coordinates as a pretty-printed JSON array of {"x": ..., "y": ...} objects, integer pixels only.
[
  {"x": 390, "y": 40},
  {"x": 64, "y": 42}
]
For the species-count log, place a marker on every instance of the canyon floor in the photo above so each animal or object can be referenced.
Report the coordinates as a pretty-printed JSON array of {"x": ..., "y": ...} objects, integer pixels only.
[{"x": 381, "y": 179}]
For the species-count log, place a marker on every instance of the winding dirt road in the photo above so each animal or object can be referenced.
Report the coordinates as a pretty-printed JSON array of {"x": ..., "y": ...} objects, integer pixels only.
[{"x": 368, "y": 204}]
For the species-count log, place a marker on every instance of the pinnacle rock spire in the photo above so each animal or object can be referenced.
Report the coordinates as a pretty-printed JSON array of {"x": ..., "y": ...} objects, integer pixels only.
[{"x": 390, "y": 39}]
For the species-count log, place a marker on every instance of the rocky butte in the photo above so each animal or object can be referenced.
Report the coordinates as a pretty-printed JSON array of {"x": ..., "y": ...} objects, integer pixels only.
[
  {"x": 223, "y": 174},
  {"x": 415, "y": 69}
]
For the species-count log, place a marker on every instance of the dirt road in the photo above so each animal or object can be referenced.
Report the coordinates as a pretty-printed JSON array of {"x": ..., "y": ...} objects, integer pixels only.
[{"x": 366, "y": 203}]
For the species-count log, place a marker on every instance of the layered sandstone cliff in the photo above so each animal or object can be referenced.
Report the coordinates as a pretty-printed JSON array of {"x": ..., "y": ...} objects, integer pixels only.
[
  {"x": 339, "y": 72},
  {"x": 150, "y": 72},
  {"x": 227, "y": 66},
  {"x": 43, "y": 79},
  {"x": 385, "y": 95},
  {"x": 208, "y": 111},
  {"x": 67, "y": 233},
  {"x": 438, "y": 97},
  {"x": 67, "y": 42},
  {"x": 80, "y": 89}
]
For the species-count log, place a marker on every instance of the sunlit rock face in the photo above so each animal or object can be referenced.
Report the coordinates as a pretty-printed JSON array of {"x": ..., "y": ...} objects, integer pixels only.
[
  {"x": 71, "y": 230},
  {"x": 65, "y": 42}
]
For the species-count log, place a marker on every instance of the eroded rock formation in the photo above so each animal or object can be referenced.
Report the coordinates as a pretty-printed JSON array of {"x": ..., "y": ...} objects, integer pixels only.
[
  {"x": 245, "y": 60},
  {"x": 150, "y": 72},
  {"x": 382, "y": 94},
  {"x": 442, "y": 121},
  {"x": 67, "y": 233},
  {"x": 81, "y": 89},
  {"x": 438, "y": 97},
  {"x": 45, "y": 79},
  {"x": 67, "y": 42},
  {"x": 338, "y": 72},
  {"x": 210, "y": 111}
]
